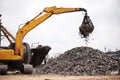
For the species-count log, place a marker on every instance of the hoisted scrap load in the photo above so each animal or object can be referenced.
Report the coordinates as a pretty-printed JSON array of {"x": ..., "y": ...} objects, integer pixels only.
[
  {"x": 17, "y": 55},
  {"x": 86, "y": 27}
]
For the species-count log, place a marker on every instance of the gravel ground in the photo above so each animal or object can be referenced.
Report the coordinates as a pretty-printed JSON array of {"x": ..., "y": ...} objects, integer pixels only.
[{"x": 57, "y": 77}]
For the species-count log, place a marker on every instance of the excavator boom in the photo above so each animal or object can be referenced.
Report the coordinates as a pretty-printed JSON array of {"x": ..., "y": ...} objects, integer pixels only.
[
  {"x": 55, "y": 10},
  {"x": 49, "y": 11}
]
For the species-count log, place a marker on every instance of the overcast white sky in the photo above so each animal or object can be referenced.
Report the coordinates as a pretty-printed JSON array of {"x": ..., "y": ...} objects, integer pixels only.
[{"x": 61, "y": 31}]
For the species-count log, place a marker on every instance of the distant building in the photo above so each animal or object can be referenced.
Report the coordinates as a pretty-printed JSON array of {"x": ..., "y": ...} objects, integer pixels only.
[{"x": 114, "y": 53}]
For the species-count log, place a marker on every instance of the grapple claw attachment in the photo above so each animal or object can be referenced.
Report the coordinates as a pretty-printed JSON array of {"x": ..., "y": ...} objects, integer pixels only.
[{"x": 86, "y": 27}]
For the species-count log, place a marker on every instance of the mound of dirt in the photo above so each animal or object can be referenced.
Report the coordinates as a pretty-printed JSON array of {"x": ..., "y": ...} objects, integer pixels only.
[{"x": 81, "y": 61}]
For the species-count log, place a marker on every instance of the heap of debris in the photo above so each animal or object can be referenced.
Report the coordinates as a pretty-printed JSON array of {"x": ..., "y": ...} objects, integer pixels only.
[{"x": 80, "y": 61}]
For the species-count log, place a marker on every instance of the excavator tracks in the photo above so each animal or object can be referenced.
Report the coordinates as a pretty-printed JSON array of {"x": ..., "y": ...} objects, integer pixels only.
[
  {"x": 27, "y": 69},
  {"x": 3, "y": 69}
]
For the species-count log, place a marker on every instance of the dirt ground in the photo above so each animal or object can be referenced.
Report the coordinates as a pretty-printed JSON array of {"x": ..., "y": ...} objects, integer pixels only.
[{"x": 57, "y": 77}]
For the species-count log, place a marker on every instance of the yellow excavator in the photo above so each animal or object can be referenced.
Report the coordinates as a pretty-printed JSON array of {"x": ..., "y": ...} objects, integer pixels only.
[{"x": 17, "y": 55}]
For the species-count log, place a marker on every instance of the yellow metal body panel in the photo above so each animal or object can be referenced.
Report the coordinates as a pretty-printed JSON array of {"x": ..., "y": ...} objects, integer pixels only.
[{"x": 8, "y": 55}]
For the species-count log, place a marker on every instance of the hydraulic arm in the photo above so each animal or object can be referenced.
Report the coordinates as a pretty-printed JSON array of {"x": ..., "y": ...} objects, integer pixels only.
[{"x": 19, "y": 49}]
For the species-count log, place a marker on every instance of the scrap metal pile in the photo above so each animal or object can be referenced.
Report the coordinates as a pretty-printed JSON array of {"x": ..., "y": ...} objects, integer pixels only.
[{"x": 80, "y": 61}]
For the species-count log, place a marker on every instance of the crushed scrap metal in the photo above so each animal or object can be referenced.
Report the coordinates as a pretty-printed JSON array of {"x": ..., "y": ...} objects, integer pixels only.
[{"x": 80, "y": 61}]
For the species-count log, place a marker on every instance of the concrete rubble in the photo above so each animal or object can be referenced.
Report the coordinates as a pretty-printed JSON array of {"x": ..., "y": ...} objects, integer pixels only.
[{"x": 81, "y": 61}]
